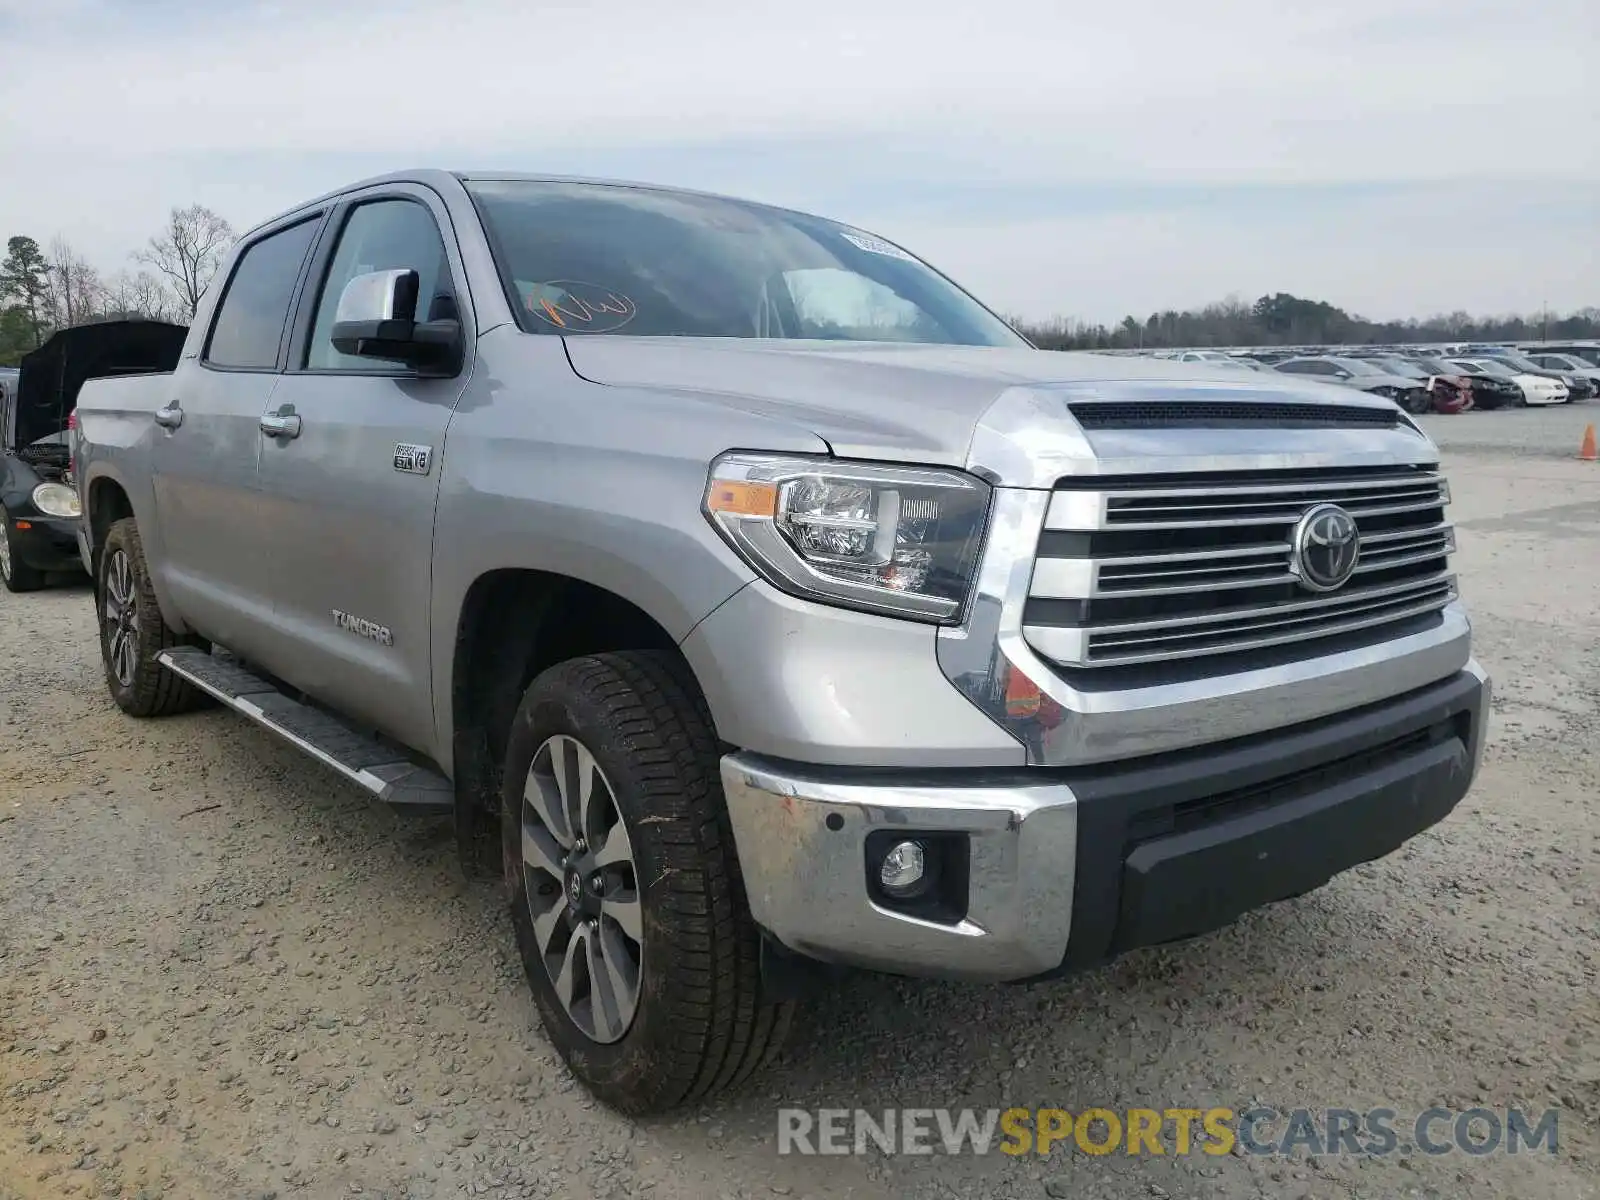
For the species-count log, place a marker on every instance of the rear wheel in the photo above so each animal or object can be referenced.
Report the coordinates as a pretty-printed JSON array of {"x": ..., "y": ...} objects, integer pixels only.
[
  {"x": 17, "y": 575},
  {"x": 133, "y": 632},
  {"x": 625, "y": 891}
]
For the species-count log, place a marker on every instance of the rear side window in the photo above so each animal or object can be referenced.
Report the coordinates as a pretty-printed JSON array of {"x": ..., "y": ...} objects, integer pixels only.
[{"x": 253, "y": 311}]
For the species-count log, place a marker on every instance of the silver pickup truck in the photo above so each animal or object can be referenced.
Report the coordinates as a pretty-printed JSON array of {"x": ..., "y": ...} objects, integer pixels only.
[{"x": 759, "y": 604}]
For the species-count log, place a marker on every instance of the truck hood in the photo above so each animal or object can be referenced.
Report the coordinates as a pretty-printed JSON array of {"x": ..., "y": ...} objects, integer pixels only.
[{"x": 902, "y": 401}]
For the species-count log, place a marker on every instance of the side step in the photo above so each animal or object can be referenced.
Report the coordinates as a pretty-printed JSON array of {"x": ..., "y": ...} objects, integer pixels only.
[{"x": 361, "y": 759}]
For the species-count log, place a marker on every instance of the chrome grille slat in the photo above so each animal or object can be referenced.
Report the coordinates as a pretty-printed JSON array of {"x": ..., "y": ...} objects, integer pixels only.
[
  {"x": 1060, "y": 644},
  {"x": 1270, "y": 505},
  {"x": 1401, "y": 609},
  {"x": 1145, "y": 507},
  {"x": 1300, "y": 489},
  {"x": 1356, "y": 617},
  {"x": 1329, "y": 602},
  {"x": 1142, "y": 572},
  {"x": 1400, "y": 535},
  {"x": 1404, "y": 560},
  {"x": 1185, "y": 556}
]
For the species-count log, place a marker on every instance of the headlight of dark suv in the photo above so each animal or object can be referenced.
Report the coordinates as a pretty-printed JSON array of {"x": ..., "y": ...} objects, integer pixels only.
[
  {"x": 57, "y": 500},
  {"x": 879, "y": 537}
]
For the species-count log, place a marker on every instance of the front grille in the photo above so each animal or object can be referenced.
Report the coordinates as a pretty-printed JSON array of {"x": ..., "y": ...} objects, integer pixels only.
[
  {"x": 1221, "y": 414},
  {"x": 1146, "y": 569}
]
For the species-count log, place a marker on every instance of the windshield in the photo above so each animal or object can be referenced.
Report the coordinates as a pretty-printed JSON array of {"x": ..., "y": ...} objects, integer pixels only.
[
  {"x": 1493, "y": 366},
  {"x": 1399, "y": 366},
  {"x": 1521, "y": 363},
  {"x": 603, "y": 258},
  {"x": 1435, "y": 366}
]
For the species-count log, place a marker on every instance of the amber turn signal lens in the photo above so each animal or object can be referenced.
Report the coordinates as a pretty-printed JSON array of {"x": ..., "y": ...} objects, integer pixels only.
[{"x": 742, "y": 498}]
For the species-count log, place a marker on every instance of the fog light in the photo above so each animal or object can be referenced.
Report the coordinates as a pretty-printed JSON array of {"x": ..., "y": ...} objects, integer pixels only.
[{"x": 903, "y": 868}]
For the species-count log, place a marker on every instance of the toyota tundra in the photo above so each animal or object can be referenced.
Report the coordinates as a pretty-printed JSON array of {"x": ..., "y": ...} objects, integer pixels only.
[{"x": 758, "y": 604}]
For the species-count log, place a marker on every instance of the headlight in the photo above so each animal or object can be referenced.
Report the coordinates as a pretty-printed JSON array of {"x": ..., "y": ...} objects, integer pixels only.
[
  {"x": 889, "y": 539},
  {"x": 57, "y": 500}
]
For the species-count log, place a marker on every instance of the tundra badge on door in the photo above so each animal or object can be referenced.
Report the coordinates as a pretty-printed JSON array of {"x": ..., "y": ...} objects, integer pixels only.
[
  {"x": 413, "y": 460},
  {"x": 351, "y": 623}
]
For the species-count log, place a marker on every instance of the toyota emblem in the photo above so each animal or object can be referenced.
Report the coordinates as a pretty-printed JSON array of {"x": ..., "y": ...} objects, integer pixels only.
[{"x": 1325, "y": 548}]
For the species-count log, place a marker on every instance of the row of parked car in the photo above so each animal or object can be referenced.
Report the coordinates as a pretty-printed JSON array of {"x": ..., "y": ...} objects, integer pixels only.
[{"x": 1433, "y": 378}]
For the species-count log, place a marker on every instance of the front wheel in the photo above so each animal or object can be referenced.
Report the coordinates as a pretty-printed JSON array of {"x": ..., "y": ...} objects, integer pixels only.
[
  {"x": 17, "y": 575},
  {"x": 625, "y": 890}
]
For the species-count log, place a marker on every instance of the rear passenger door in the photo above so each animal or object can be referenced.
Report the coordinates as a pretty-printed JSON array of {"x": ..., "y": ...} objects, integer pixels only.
[
  {"x": 349, "y": 499},
  {"x": 211, "y": 539}
]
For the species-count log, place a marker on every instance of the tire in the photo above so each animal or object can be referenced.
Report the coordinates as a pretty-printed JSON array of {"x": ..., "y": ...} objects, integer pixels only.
[
  {"x": 698, "y": 1024},
  {"x": 131, "y": 635},
  {"x": 17, "y": 575}
]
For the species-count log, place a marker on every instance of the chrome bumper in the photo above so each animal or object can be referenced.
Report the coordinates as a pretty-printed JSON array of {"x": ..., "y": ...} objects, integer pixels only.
[
  {"x": 1058, "y": 877},
  {"x": 801, "y": 844}
]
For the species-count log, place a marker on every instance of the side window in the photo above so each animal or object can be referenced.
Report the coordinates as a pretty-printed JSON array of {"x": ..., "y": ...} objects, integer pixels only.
[
  {"x": 382, "y": 235},
  {"x": 250, "y": 319},
  {"x": 1297, "y": 368}
]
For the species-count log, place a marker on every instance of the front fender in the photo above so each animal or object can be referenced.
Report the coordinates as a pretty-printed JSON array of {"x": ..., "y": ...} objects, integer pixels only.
[{"x": 543, "y": 471}]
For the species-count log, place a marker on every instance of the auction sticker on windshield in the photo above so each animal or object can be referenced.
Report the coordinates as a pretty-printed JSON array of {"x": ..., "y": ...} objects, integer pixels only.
[{"x": 873, "y": 245}]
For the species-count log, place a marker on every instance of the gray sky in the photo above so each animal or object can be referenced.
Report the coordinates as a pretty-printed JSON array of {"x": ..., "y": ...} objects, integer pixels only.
[{"x": 1395, "y": 157}]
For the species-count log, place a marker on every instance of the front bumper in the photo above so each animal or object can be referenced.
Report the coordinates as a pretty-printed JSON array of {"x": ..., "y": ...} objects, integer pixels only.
[
  {"x": 1068, "y": 867},
  {"x": 46, "y": 543}
]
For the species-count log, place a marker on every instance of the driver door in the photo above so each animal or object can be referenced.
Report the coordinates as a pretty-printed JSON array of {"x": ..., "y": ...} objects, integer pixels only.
[{"x": 350, "y": 479}]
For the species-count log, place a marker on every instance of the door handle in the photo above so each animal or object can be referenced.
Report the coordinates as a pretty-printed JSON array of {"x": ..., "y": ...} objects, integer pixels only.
[
  {"x": 170, "y": 417},
  {"x": 282, "y": 424}
]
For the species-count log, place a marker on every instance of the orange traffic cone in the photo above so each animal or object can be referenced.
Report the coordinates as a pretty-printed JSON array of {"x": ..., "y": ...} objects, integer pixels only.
[{"x": 1586, "y": 452}]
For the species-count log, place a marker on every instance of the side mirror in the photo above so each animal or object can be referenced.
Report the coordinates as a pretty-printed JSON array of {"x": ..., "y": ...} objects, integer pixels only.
[{"x": 377, "y": 318}]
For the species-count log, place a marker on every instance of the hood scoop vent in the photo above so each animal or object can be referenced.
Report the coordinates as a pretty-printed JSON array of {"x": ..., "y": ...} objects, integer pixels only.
[{"x": 1223, "y": 414}]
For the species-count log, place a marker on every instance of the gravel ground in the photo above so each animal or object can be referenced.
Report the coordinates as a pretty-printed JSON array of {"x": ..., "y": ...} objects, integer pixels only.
[{"x": 224, "y": 975}]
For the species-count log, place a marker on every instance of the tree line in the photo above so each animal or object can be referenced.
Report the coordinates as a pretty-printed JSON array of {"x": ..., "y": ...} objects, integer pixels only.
[
  {"x": 1285, "y": 320},
  {"x": 43, "y": 289}
]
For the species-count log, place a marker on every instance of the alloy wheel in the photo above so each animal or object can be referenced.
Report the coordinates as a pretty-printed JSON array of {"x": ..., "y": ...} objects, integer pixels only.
[
  {"x": 5, "y": 555},
  {"x": 121, "y": 616},
  {"x": 582, "y": 888}
]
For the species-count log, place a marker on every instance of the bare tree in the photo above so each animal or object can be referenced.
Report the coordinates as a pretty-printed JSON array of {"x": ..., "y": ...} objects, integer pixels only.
[
  {"x": 188, "y": 252},
  {"x": 134, "y": 296},
  {"x": 76, "y": 287}
]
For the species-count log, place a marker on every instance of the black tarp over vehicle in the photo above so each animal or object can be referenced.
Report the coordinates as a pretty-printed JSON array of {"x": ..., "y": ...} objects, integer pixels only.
[
  {"x": 52, "y": 375},
  {"x": 38, "y": 535}
]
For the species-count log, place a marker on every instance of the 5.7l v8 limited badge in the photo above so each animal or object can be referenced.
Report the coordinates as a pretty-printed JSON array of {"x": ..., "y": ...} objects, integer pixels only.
[{"x": 413, "y": 460}]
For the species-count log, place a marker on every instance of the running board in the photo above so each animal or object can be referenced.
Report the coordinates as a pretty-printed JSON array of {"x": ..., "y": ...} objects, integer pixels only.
[{"x": 361, "y": 759}]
